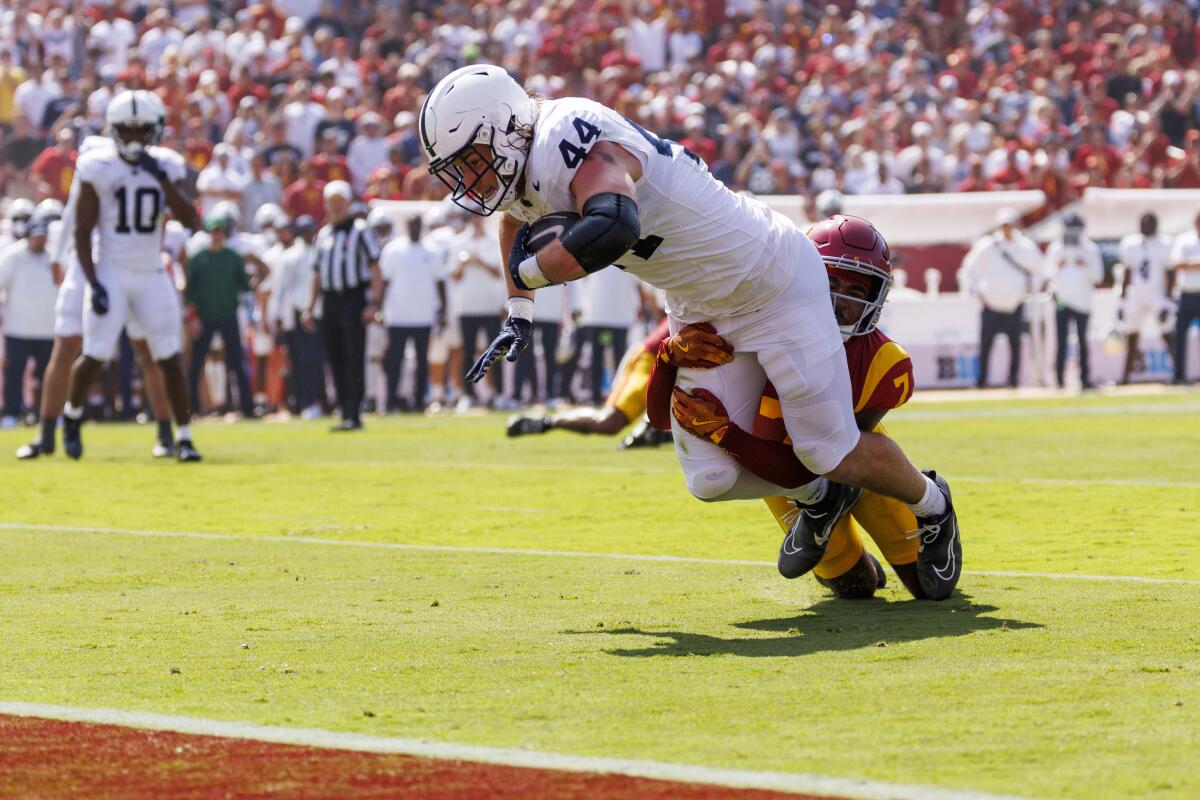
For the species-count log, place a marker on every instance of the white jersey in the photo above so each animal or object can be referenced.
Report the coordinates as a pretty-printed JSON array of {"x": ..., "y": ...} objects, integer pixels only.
[
  {"x": 712, "y": 251},
  {"x": 1146, "y": 259},
  {"x": 131, "y": 207}
]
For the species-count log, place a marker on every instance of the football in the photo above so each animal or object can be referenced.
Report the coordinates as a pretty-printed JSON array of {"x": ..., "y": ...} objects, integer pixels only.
[{"x": 548, "y": 228}]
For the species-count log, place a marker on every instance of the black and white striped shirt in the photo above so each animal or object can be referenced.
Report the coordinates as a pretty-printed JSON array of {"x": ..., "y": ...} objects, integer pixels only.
[{"x": 342, "y": 255}]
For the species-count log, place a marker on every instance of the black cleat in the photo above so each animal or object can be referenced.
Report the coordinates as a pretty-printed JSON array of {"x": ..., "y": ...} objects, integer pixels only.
[
  {"x": 347, "y": 425},
  {"x": 806, "y": 541},
  {"x": 28, "y": 452},
  {"x": 882, "y": 581},
  {"x": 72, "y": 442},
  {"x": 522, "y": 425},
  {"x": 645, "y": 435},
  {"x": 939, "y": 558},
  {"x": 184, "y": 451},
  {"x": 162, "y": 449}
]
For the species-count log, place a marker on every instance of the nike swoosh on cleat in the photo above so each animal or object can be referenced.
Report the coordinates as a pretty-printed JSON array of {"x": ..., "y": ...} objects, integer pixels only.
[
  {"x": 537, "y": 187},
  {"x": 947, "y": 572},
  {"x": 787, "y": 546}
]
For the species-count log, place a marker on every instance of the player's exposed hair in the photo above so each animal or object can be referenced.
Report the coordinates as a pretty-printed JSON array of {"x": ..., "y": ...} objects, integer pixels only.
[{"x": 477, "y": 105}]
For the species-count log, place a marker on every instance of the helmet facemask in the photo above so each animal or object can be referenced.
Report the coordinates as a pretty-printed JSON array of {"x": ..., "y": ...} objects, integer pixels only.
[
  {"x": 134, "y": 138},
  {"x": 462, "y": 171},
  {"x": 858, "y": 291}
]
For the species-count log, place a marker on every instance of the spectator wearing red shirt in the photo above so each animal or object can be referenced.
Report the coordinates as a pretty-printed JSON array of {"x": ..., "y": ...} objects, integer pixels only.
[
  {"x": 1097, "y": 147},
  {"x": 328, "y": 164},
  {"x": 697, "y": 142},
  {"x": 305, "y": 195},
  {"x": 55, "y": 167},
  {"x": 386, "y": 182}
]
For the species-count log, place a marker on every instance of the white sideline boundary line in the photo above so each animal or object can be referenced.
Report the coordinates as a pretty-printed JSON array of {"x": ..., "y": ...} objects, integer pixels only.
[
  {"x": 850, "y": 788},
  {"x": 513, "y": 551}
]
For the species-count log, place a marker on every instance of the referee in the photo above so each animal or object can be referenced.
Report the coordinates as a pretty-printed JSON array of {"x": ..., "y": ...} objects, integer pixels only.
[{"x": 345, "y": 264}]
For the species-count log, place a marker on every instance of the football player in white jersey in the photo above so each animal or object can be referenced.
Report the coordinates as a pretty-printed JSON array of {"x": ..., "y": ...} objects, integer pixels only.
[
  {"x": 68, "y": 334},
  {"x": 1145, "y": 293},
  {"x": 122, "y": 194},
  {"x": 651, "y": 207}
]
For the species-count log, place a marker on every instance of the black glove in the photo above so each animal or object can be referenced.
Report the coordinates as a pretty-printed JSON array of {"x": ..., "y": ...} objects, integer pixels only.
[
  {"x": 513, "y": 338},
  {"x": 150, "y": 164},
  {"x": 99, "y": 298}
]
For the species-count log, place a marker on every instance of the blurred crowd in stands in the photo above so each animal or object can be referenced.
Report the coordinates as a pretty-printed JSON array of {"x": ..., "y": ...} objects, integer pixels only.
[{"x": 270, "y": 101}]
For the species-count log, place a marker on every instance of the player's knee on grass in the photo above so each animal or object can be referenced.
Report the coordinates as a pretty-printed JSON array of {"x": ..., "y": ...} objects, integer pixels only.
[
  {"x": 857, "y": 583},
  {"x": 711, "y": 484}
]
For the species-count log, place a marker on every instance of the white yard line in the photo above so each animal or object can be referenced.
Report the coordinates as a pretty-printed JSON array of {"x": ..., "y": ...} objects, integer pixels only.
[
  {"x": 514, "y": 551},
  {"x": 512, "y": 757}
]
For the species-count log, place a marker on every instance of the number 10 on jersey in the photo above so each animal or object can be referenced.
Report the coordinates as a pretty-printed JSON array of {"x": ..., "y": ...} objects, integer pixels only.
[{"x": 143, "y": 211}]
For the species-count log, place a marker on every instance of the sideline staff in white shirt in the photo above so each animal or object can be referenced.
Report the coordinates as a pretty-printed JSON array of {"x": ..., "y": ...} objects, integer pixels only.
[
  {"x": 1000, "y": 270},
  {"x": 413, "y": 303},
  {"x": 1145, "y": 288},
  {"x": 1075, "y": 266},
  {"x": 609, "y": 307},
  {"x": 27, "y": 282},
  {"x": 1185, "y": 258}
]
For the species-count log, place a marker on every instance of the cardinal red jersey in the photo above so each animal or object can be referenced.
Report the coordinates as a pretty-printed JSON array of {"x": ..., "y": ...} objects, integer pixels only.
[{"x": 881, "y": 379}]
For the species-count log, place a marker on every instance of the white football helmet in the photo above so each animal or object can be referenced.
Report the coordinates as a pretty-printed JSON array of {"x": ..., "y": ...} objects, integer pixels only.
[
  {"x": 477, "y": 105},
  {"x": 19, "y": 213},
  {"x": 378, "y": 218},
  {"x": 49, "y": 209},
  {"x": 267, "y": 216},
  {"x": 228, "y": 211},
  {"x": 135, "y": 120}
]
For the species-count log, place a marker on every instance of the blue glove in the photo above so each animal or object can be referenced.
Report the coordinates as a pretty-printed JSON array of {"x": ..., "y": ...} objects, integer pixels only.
[
  {"x": 99, "y": 298},
  {"x": 512, "y": 339}
]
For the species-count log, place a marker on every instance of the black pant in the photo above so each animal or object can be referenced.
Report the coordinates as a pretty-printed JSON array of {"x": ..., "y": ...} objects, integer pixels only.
[
  {"x": 306, "y": 358},
  {"x": 235, "y": 360},
  {"x": 17, "y": 352},
  {"x": 1063, "y": 318},
  {"x": 993, "y": 323},
  {"x": 527, "y": 363},
  {"x": 346, "y": 347},
  {"x": 471, "y": 325},
  {"x": 603, "y": 338},
  {"x": 1189, "y": 310},
  {"x": 398, "y": 337}
]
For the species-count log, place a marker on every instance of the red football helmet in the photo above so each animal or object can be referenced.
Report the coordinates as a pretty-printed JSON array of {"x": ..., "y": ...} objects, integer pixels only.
[{"x": 857, "y": 253}]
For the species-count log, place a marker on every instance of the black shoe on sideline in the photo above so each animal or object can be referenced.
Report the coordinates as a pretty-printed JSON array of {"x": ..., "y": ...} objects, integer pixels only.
[
  {"x": 939, "y": 559},
  {"x": 807, "y": 539},
  {"x": 185, "y": 451},
  {"x": 28, "y": 452},
  {"x": 72, "y": 440}
]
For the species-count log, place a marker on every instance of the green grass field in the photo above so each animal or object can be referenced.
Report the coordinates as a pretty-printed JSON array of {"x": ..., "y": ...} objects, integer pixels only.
[{"x": 1023, "y": 683}]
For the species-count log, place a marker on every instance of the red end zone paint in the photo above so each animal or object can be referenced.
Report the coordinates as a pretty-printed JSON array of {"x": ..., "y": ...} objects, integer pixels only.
[{"x": 48, "y": 758}]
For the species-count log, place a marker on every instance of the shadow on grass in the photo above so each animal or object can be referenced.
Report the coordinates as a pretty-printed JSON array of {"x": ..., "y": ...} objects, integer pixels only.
[{"x": 830, "y": 625}]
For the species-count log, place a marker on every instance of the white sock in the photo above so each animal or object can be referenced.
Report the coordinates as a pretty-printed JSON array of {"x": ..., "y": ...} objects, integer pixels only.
[
  {"x": 72, "y": 411},
  {"x": 184, "y": 432},
  {"x": 932, "y": 503},
  {"x": 810, "y": 493}
]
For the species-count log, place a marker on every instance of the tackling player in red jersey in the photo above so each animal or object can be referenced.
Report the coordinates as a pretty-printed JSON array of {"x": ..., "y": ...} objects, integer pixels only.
[{"x": 881, "y": 379}]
